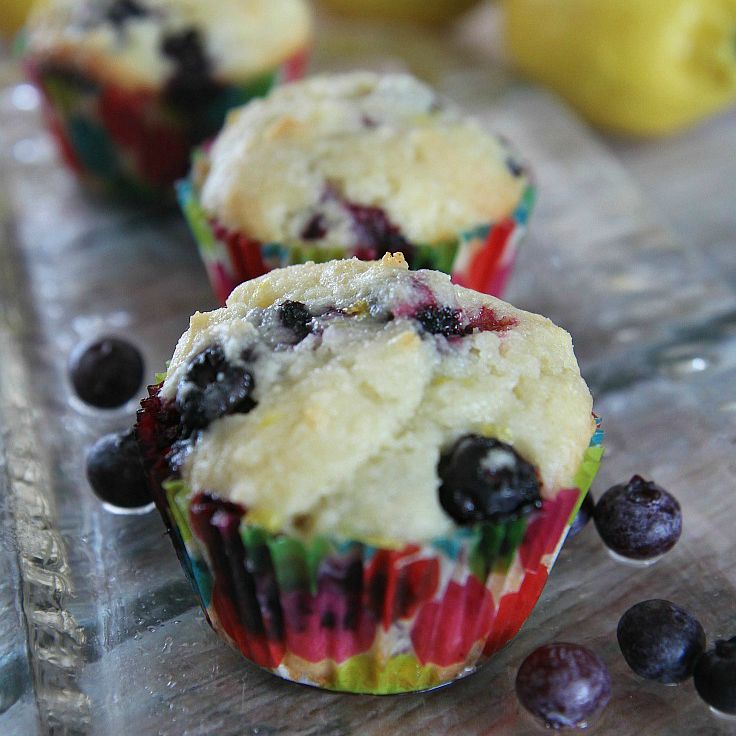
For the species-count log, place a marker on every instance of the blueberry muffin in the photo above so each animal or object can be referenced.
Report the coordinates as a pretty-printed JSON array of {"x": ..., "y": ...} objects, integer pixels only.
[
  {"x": 132, "y": 85},
  {"x": 357, "y": 165},
  {"x": 368, "y": 471}
]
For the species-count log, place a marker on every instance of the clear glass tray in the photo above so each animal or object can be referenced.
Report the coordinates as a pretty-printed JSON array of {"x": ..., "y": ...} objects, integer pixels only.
[{"x": 101, "y": 633}]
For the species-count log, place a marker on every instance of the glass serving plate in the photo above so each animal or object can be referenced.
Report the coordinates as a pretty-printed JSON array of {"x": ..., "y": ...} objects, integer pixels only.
[{"x": 101, "y": 633}]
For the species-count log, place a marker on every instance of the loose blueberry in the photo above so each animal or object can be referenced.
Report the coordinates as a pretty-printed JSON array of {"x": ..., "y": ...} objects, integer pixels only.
[
  {"x": 107, "y": 373},
  {"x": 441, "y": 320},
  {"x": 660, "y": 641},
  {"x": 486, "y": 480},
  {"x": 565, "y": 685},
  {"x": 296, "y": 317},
  {"x": 715, "y": 676},
  {"x": 216, "y": 388},
  {"x": 640, "y": 520},
  {"x": 122, "y": 10},
  {"x": 115, "y": 471},
  {"x": 584, "y": 515}
]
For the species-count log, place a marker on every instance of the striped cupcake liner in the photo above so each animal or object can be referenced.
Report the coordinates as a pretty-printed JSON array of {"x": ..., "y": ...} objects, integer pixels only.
[
  {"x": 131, "y": 142},
  {"x": 350, "y": 616},
  {"x": 481, "y": 258}
]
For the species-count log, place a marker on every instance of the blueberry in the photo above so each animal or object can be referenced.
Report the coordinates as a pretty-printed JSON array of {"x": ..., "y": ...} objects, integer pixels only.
[
  {"x": 584, "y": 515},
  {"x": 639, "y": 520},
  {"x": 514, "y": 167},
  {"x": 296, "y": 317},
  {"x": 486, "y": 480},
  {"x": 566, "y": 685},
  {"x": 185, "y": 48},
  {"x": 191, "y": 85},
  {"x": 107, "y": 373},
  {"x": 213, "y": 388},
  {"x": 440, "y": 320},
  {"x": 715, "y": 676},
  {"x": 375, "y": 234},
  {"x": 122, "y": 10},
  {"x": 315, "y": 229},
  {"x": 660, "y": 641},
  {"x": 115, "y": 471}
]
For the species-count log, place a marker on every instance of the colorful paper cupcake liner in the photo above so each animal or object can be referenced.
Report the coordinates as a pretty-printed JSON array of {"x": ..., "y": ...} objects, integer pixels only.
[
  {"x": 481, "y": 258},
  {"x": 351, "y": 616},
  {"x": 132, "y": 142}
]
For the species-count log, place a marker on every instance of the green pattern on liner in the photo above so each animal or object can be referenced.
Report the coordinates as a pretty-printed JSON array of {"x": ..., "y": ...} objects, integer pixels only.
[
  {"x": 495, "y": 547},
  {"x": 178, "y": 494},
  {"x": 161, "y": 376},
  {"x": 363, "y": 673},
  {"x": 260, "y": 86},
  {"x": 295, "y": 563},
  {"x": 588, "y": 468},
  {"x": 64, "y": 94},
  {"x": 302, "y": 253},
  {"x": 512, "y": 542},
  {"x": 585, "y": 475},
  {"x": 289, "y": 558},
  {"x": 196, "y": 216},
  {"x": 526, "y": 205},
  {"x": 439, "y": 256}
]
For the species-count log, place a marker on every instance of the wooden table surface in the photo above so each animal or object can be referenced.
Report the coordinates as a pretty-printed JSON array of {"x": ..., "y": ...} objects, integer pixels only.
[{"x": 632, "y": 248}]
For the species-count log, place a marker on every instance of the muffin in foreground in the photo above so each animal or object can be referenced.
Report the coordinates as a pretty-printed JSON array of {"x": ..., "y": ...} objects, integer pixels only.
[
  {"x": 131, "y": 86},
  {"x": 357, "y": 164},
  {"x": 367, "y": 472}
]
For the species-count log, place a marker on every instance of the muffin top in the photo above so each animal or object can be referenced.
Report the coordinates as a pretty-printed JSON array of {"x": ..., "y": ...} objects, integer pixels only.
[
  {"x": 335, "y": 159},
  {"x": 138, "y": 43},
  {"x": 330, "y": 398}
]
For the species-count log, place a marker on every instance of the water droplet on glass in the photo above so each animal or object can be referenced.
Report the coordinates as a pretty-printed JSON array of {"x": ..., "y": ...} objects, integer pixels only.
[
  {"x": 682, "y": 362},
  {"x": 118, "y": 510},
  {"x": 25, "y": 97},
  {"x": 723, "y": 716},
  {"x": 633, "y": 563},
  {"x": 32, "y": 150},
  {"x": 630, "y": 282},
  {"x": 627, "y": 334}
]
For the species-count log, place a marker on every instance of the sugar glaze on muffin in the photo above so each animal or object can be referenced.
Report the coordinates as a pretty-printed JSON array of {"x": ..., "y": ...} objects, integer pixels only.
[
  {"x": 322, "y": 397},
  {"x": 357, "y": 159},
  {"x": 140, "y": 43}
]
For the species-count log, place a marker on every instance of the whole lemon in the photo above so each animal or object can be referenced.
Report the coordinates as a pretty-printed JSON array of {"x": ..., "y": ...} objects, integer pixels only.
[
  {"x": 646, "y": 67},
  {"x": 424, "y": 11},
  {"x": 13, "y": 15}
]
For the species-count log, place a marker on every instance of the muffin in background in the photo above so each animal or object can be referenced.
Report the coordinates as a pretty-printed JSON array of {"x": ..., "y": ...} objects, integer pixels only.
[
  {"x": 356, "y": 164},
  {"x": 131, "y": 86},
  {"x": 367, "y": 471}
]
